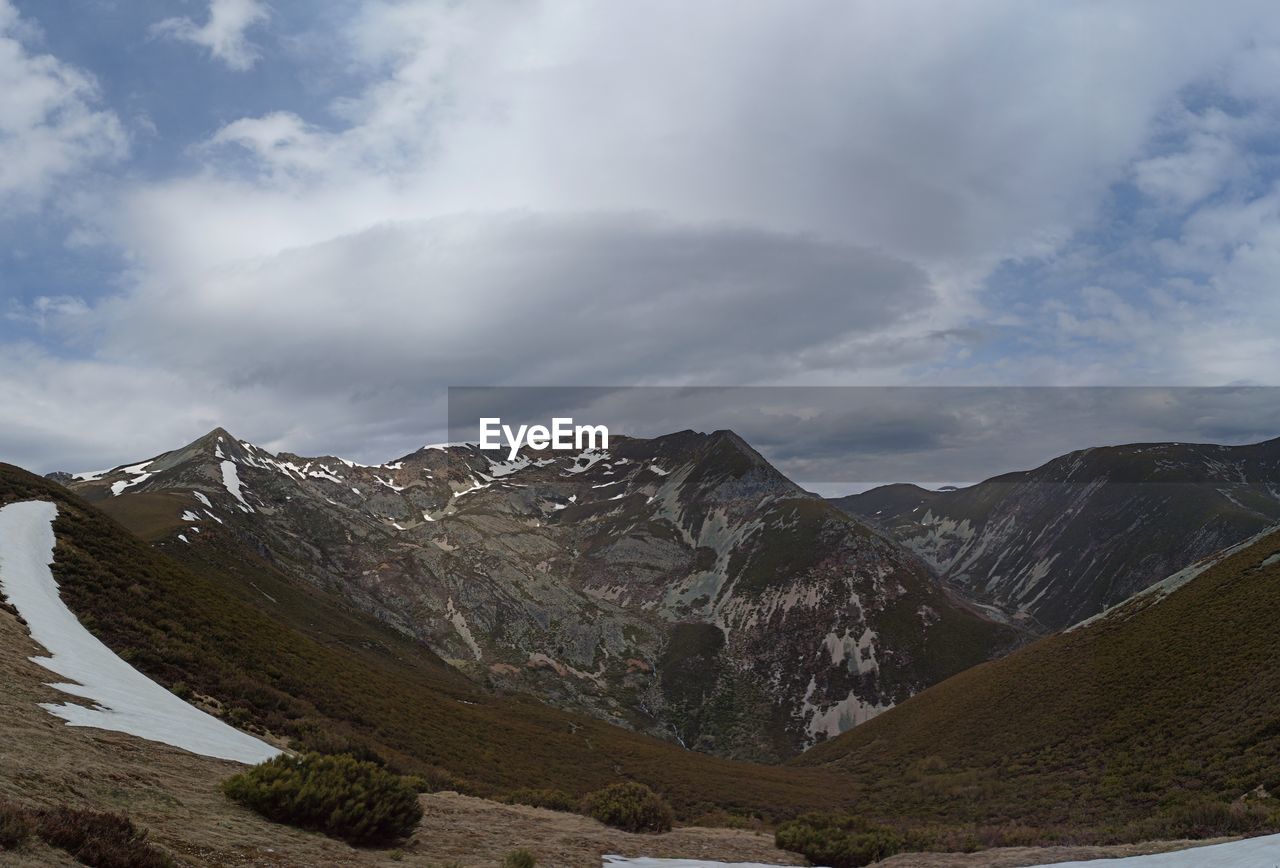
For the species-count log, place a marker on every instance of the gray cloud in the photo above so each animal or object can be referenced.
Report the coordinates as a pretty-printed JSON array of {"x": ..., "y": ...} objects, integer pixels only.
[
  {"x": 526, "y": 298},
  {"x": 849, "y": 437},
  {"x": 719, "y": 193}
]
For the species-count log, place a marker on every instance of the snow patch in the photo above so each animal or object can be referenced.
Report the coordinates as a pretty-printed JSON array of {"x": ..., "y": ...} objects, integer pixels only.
[
  {"x": 475, "y": 487},
  {"x": 231, "y": 479},
  {"x": 1249, "y": 853},
  {"x": 124, "y": 700},
  {"x": 499, "y": 469},
  {"x": 592, "y": 457},
  {"x": 139, "y": 474},
  {"x": 326, "y": 474},
  {"x": 649, "y": 862}
]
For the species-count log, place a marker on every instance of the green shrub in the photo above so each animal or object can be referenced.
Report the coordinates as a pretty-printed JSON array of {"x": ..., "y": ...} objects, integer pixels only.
[
  {"x": 1209, "y": 819},
  {"x": 15, "y": 826},
  {"x": 838, "y": 841},
  {"x": 101, "y": 840},
  {"x": 346, "y": 798},
  {"x": 519, "y": 859},
  {"x": 315, "y": 739},
  {"x": 552, "y": 800},
  {"x": 432, "y": 779},
  {"x": 629, "y": 806}
]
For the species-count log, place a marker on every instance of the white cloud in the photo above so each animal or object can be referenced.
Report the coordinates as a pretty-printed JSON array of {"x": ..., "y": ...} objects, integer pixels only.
[
  {"x": 570, "y": 192},
  {"x": 223, "y": 32},
  {"x": 51, "y": 124},
  {"x": 44, "y": 307},
  {"x": 1186, "y": 177}
]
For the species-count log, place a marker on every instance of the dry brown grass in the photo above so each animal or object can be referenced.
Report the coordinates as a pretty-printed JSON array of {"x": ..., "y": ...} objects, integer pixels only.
[{"x": 176, "y": 796}]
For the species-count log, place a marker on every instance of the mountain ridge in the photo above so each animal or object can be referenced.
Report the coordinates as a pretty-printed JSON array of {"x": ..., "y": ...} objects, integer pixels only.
[
  {"x": 593, "y": 579},
  {"x": 276, "y": 657},
  {"x": 1058, "y": 543}
]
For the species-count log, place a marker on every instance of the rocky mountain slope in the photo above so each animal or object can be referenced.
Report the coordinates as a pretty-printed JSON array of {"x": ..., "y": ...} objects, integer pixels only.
[
  {"x": 1163, "y": 713},
  {"x": 680, "y": 586},
  {"x": 297, "y": 667},
  {"x": 1051, "y": 546}
]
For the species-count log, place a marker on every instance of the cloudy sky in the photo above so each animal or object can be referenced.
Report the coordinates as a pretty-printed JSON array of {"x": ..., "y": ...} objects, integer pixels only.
[{"x": 303, "y": 221}]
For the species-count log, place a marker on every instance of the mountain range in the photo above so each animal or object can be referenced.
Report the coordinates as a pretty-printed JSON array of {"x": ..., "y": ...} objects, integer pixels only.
[
  {"x": 441, "y": 610},
  {"x": 1051, "y": 546},
  {"x": 680, "y": 586}
]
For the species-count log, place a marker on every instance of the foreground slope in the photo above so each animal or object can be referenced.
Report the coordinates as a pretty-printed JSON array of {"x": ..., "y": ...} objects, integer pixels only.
[
  {"x": 1057, "y": 544},
  {"x": 1170, "y": 698},
  {"x": 285, "y": 662},
  {"x": 120, "y": 698},
  {"x": 680, "y": 586},
  {"x": 175, "y": 796}
]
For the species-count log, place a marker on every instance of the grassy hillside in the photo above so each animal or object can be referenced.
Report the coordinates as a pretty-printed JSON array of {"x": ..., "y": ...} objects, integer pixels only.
[
  {"x": 1153, "y": 711},
  {"x": 272, "y": 655}
]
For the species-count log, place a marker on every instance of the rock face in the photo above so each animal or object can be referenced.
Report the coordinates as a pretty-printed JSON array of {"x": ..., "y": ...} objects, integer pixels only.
[
  {"x": 680, "y": 586},
  {"x": 1052, "y": 546}
]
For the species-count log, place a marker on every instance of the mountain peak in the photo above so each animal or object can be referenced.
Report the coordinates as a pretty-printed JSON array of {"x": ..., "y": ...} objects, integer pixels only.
[
  {"x": 219, "y": 433},
  {"x": 727, "y": 441}
]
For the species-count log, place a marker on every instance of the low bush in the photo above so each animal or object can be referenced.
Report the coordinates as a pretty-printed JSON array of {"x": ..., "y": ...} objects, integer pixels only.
[
  {"x": 1209, "y": 819},
  {"x": 719, "y": 818},
  {"x": 341, "y": 796},
  {"x": 629, "y": 806},
  {"x": 15, "y": 826},
  {"x": 314, "y": 739},
  {"x": 552, "y": 800},
  {"x": 432, "y": 779},
  {"x": 838, "y": 841},
  {"x": 519, "y": 859},
  {"x": 102, "y": 840}
]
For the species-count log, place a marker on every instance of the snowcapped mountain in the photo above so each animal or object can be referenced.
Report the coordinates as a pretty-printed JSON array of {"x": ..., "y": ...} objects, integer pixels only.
[
  {"x": 1057, "y": 544},
  {"x": 680, "y": 585}
]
